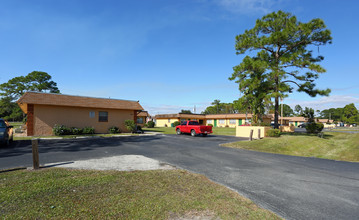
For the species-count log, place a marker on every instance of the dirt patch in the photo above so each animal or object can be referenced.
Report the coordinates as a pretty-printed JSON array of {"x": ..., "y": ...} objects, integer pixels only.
[{"x": 121, "y": 163}]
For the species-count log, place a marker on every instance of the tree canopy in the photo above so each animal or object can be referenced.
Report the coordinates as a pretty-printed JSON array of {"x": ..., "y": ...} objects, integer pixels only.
[
  {"x": 222, "y": 108},
  {"x": 13, "y": 89},
  {"x": 284, "y": 59},
  {"x": 183, "y": 111}
]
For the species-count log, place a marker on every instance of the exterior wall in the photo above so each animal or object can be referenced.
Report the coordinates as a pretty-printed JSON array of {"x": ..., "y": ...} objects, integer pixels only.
[
  {"x": 46, "y": 116},
  {"x": 286, "y": 128},
  {"x": 216, "y": 122},
  {"x": 329, "y": 126},
  {"x": 165, "y": 122},
  {"x": 30, "y": 120},
  {"x": 244, "y": 131}
]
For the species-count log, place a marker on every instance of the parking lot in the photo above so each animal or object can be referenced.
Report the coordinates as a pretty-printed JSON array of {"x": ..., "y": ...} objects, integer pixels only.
[{"x": 293, "y": 187}]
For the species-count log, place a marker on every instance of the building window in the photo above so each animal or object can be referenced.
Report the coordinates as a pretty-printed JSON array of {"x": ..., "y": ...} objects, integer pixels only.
[
  {"x": 103, "y": 116},
  {"x": 92, "y": 114},
  {"x": 209, "y": 121},
  {"x": 221, "y": 121},
  {"x": 140, "y": 120},
  {"x": 232, "y": 121}
]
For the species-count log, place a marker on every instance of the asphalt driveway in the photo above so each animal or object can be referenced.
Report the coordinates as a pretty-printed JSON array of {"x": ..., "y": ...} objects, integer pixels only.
[{"x": 292, "y": 187}]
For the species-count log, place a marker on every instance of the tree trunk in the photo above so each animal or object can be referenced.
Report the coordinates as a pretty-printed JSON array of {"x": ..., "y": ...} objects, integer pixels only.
[{"x": 276, "y": 112}]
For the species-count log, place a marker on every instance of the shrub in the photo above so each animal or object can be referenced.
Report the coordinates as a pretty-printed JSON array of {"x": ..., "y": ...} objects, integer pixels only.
[
  {"x": 76, "y": 131},
  {"x": 61, "y": 130},
  {"x": 227, "y": 126},
  {"x": 314, "y": 127},
  {"x": 88, "y": 130},
  {"x": 150, "y": 124},
  {"x": 176, "y": 123},
  {"x": 210, "y": 125},
  {"x": 130, "y": 125},
  {"x": 273, "y": 133},
  {"x": 114, "y": 130}
]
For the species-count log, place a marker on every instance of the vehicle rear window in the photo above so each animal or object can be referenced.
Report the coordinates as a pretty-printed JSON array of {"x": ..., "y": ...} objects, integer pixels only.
[
  {"x": 184, "y": 123},
  {"x": 193, "y": 123},
  {"x": 2, "y": 124}
]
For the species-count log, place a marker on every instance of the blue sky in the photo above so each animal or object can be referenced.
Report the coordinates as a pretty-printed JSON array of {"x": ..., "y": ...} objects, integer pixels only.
[{"x": 168, "y": 54}]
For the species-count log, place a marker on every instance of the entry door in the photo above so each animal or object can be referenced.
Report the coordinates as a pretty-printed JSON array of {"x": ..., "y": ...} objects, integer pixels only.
[
  {"x": 215, "y": 122},
  {"x": 239, "y": 121}
]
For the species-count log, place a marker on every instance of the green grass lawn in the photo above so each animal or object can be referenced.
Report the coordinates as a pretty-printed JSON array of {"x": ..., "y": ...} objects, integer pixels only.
[
  {"x": 16, "y": 124},
  {"x": 216, "y": 130},
  {"x": 78, "y": 194},
  {"x": 334, "y": 145}
]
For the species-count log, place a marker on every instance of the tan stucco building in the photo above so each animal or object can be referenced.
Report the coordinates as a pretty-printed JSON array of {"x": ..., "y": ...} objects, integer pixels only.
[
  {"x": 217, "y": 120},
  {"x": 45, "y": 110}
]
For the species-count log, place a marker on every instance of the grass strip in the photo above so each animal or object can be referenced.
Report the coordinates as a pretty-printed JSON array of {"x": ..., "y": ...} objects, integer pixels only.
[
  {"x": 78, "y": 194},
  {"x": 334, "y": 145}
]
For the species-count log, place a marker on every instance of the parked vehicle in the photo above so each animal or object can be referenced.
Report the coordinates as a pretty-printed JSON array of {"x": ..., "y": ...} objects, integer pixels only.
[
  {"x": 6, "y": 132},
  {"x": 302, "y": 125},
  {"x": 193, "y": 128}
]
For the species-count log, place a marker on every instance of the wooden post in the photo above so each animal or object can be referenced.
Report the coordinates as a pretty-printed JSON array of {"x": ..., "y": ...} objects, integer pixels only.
[
  {"x": 251, "y": 135},
  {"x": 259, "y": 133},
  {"x": 35, "y": 153}
]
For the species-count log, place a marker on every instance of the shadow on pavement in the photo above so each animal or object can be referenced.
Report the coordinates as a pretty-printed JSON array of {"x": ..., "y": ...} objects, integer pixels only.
[{"x": 70, "y": 145}]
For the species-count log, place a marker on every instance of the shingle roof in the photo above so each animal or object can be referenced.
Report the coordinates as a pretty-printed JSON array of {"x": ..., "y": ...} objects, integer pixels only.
[
  {"x": 76, "y": 101},
  {"x": 143, "y": 114}
]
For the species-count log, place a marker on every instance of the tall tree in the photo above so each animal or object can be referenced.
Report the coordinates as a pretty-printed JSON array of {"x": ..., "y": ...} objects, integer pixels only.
[
  {"x": 221, "y": 108},
  {"x": 309, "y": 114},
  {"x": 216, "y": 102},
  {"x": 13, "y": 89},
  {"x": 283, "y": 47},
  {"x": 298, "y": 110},
  {"x": 183, "y": 111},
  {"x": 251, "y": 78},
  {"x": 350, "y": 113}
]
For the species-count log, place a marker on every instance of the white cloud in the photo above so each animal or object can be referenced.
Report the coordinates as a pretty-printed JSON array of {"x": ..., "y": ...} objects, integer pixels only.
[{"x": 335, "y": 101}]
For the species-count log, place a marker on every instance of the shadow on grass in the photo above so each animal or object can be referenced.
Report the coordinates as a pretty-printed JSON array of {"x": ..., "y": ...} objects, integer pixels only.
[{"x": 304, "y": 134}]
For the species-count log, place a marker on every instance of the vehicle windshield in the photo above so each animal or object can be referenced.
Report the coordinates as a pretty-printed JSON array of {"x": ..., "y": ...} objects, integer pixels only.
[{"x": 2, "y": 124}]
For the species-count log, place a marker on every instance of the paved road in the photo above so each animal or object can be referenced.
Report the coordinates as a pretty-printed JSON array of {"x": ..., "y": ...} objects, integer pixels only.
[{"x": 293, "y": 187}]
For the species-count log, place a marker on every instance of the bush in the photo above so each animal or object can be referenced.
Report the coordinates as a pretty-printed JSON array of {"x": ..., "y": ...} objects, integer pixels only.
[
  {"x": 76, "y": 131},
  {"x": 210, "y": 125},
  {"x": 273, "y": 133},
  {"x": 88, "y": 130},
  {"x": 150, "y": 124},
  {"x": 61, "y": 130},
  {"x": 130, "y": 125},
  {"x": 114, "y": 130},
  {"x": 176, "y": 123},
  {"x": 314, "y": 127}
]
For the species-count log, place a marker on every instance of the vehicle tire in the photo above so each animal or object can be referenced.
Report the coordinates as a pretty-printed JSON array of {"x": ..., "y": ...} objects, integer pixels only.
[
  {"x": 193, "y": 133},
  {"x": 204, "y": 135},
  {"x": 178, "y": 131}
]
